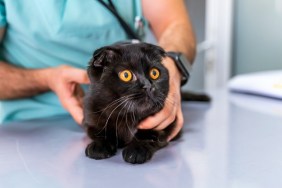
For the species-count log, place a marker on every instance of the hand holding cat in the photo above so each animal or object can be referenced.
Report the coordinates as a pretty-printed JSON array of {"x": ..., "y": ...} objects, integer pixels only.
[
  {"x": 64, "y": 81},
  {"x": 172, "y": 108}
]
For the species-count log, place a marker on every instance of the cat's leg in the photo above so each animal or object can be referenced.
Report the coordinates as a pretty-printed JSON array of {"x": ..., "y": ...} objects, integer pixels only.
[
  {"x": 101, "y": 147},
  {"x": 146, "y": 143},
  {"x": 138, "y": 152},
  {"x": 143, "y": 146}
]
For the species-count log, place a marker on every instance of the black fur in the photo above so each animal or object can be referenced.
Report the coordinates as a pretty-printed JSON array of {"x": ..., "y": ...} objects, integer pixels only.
[
  {"x": 190, "y": 96},
  {"x": 113, "y": 108}
]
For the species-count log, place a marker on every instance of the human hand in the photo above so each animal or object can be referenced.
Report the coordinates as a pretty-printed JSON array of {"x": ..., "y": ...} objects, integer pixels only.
[
  {"x": 172, "y": 108},
  {"x": 65, "y": 82}
]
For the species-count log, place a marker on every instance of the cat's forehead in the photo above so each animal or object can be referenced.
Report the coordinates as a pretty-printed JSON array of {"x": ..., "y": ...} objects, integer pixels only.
[
  {"x": 139, "y": 60},
  {"x": 134, "y": 56},
  {"x": 143, "y": 47},
  {"x": 141, "y": 53}
]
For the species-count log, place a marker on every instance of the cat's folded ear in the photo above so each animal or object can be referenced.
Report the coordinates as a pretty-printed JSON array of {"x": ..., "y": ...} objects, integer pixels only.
[
  {"x": 103, "y": 56},
  {"x": 153, "y": 51}
]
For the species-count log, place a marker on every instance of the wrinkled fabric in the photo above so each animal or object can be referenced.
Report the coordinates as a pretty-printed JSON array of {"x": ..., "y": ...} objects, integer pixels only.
[{"x": 49, "y": 33}]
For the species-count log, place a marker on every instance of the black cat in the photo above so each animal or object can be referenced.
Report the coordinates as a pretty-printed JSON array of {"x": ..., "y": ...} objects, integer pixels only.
[{"x": 128, "y": 84}]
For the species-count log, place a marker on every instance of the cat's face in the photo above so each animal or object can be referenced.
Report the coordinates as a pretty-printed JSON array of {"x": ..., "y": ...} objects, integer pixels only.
[{"x": 132, "y": 72}]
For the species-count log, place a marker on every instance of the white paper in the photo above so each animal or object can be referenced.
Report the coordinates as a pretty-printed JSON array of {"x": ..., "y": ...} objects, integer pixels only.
[{"x": 267, "y": 83}]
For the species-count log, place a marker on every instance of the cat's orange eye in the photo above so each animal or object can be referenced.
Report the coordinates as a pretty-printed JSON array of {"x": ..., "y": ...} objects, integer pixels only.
[
  {"x": 154, "y": 73},
  {"x": 125, "y": 75}
]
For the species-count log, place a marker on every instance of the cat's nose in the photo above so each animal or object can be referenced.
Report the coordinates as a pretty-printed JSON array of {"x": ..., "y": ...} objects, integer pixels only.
[
  {"x": 149, "y": 88},
  {"x": 146, "y": 87}
]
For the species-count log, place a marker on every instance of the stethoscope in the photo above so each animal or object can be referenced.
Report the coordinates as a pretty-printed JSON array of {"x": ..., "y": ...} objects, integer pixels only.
[{"x": 138, "y": 24}]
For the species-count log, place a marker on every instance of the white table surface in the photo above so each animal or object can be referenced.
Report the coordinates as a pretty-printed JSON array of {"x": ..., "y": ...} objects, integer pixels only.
[{"x": 234, "y": 142}]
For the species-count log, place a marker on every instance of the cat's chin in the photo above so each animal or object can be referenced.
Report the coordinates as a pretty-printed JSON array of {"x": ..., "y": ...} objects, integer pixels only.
[
  {"x": 147, "y": 107},
  {"x": 147, "y": 99}
]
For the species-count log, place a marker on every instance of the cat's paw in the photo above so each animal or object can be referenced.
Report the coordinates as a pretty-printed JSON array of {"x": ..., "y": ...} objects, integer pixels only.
[
  {"x": 137, "y": 154},
  {"x": 100, "y": 150}
]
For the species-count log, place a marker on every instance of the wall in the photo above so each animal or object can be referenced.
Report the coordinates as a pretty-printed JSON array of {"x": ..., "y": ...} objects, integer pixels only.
[
  {"x": 257, "y": 36},
  {"x": 197, "y": 14}
]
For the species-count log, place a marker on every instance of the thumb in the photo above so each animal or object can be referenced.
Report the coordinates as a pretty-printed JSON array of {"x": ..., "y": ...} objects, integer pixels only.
[
  {"x": 77, "y": 113},
  {"x": 78, "y": 75}
]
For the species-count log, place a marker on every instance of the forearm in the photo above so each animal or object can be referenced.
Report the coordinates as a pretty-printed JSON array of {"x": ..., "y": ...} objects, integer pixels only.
[
  {"x": 171, "y": 25},
  {"x": 20, "y": 83},
  {"x": 178, "y": 36}
]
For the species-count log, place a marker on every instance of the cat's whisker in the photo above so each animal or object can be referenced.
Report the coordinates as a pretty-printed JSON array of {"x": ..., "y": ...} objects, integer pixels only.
[
  {"x": 116, "y": 103},
  {"x": 133, "y": 119},
  {"x": 112, "y": 103},
  {"x": 159, "y": 104},
  {"x": 133, "y": 114},
  {"x": 160, "y": 101},
  {"x": 116, "y": 129},
  {"x": 105, "y": 126},
  {"x": 125, "y": 115},
  {"x": 126, "y": 122},
  {"x": 167, "y": 99}
]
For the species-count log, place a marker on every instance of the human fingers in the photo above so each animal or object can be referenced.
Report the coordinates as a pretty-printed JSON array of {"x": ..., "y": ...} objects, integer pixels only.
[
  {"x": 73, "y": 105},
  {"x": 164, "y": 117},
  {"x": 73, "y": 102},
  {"x": 178, "y": 125},
  {"x": 78, "y": 93},
  {"x": 76, "y": 112},
  {"x": 169, "y": 119},
  {"x": 76, "y": 75},
  {"x": 61, "y": 79}
]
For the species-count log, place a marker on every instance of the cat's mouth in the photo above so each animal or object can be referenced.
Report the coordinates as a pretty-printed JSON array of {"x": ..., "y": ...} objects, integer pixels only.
[{"x": 147, "y": 102}]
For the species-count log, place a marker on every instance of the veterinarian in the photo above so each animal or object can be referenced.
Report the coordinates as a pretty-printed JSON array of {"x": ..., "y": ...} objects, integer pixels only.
[{"x": 45, "y": 47}]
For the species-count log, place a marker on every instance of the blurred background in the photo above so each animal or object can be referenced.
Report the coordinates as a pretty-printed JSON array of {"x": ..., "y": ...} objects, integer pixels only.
[{"x": 234, "y": 37}]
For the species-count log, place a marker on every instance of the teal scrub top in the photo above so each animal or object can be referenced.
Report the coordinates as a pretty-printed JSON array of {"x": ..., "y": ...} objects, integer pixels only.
[{"x": 49, "y": 33}]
